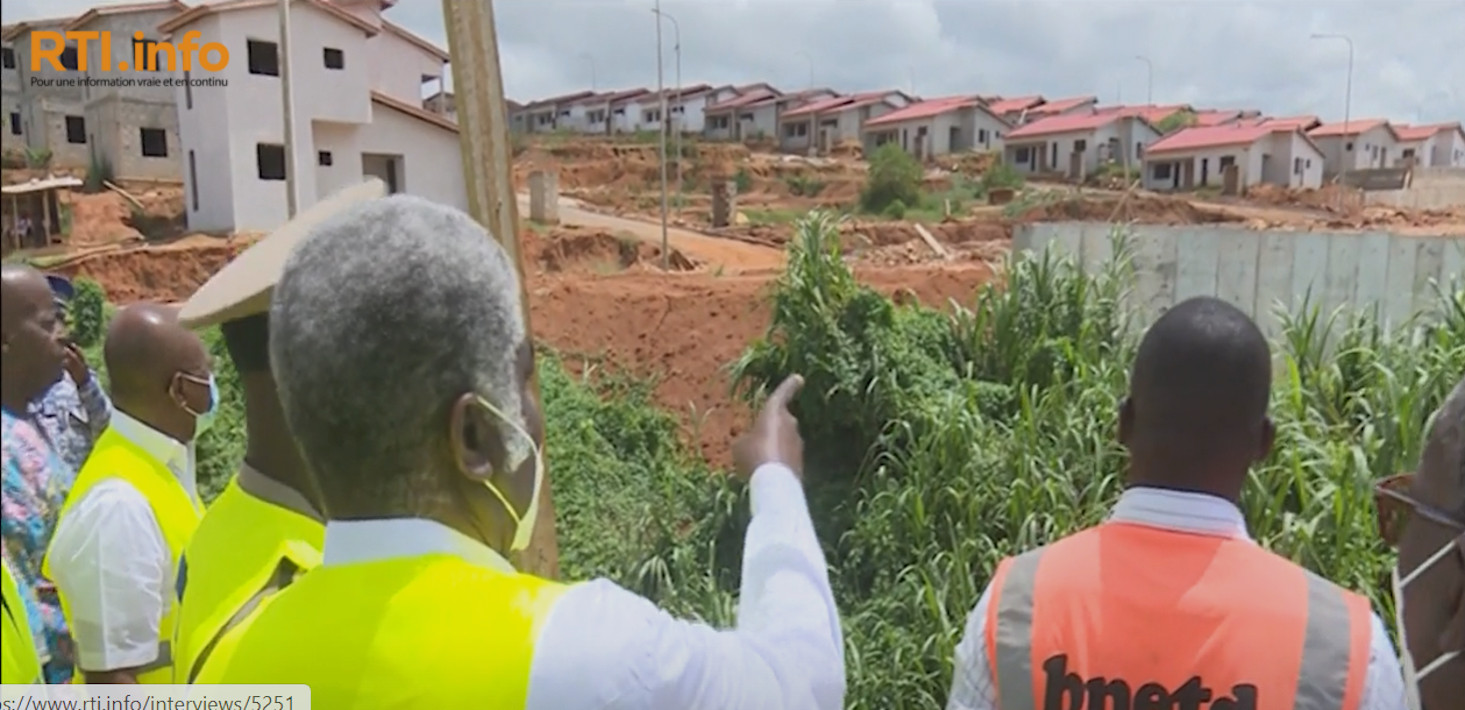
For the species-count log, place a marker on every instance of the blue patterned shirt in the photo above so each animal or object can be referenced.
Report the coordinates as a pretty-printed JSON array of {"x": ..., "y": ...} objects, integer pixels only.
[
  {"x": 32, "y": 490},
  {"x": 72, "y": 416}
]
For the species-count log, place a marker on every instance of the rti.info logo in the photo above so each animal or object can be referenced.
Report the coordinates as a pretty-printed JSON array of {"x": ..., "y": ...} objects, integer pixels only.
[{"x": 147, "y": 55}]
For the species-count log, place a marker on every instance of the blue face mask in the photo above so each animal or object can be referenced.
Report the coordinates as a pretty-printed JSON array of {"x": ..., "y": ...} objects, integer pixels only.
[{"x": 205, "y": 419}]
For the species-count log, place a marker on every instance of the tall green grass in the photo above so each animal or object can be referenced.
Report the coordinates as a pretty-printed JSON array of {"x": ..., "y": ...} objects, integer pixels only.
[{"x": 940, "y": 443}]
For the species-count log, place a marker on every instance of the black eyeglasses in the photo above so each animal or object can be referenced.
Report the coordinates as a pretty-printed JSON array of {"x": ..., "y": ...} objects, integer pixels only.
[{"x": 1395, "y": 503}]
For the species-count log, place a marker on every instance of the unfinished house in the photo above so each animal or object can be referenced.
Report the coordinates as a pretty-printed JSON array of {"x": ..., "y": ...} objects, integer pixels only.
[
  {"x": 52, "y": 114},
  {"x": 1201, "y": 156},
  {"x": 1014, "y": 110},
  {"x": 1359, "y": 144},
  {"x": 748, "y": 113},
  {"x": 829, "y": 122},
  {"x": 1076, "y": 146},
  {"x": 1073, "y": 106},
  {"x": 132, "y": 128},
  {"x": 926, "y": 129},
  {"x": 12, "y": 138}
]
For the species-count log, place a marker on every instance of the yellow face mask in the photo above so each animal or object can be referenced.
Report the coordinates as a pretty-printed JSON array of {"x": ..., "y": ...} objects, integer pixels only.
[{"x": 523, "y": 524}]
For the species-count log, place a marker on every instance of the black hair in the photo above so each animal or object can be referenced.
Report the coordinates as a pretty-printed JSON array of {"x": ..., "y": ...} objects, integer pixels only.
[
  {"x": 1202, "y": 378},
  {"x": 248, "y": 342}
]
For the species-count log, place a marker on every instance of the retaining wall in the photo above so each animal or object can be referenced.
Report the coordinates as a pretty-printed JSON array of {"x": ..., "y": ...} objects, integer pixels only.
[{"x": 1259, "y": 271}]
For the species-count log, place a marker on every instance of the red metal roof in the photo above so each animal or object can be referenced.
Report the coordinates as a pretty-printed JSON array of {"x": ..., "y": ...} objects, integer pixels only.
[
  {"x": 1300, "y": 122},
  {"x": 924, "y": 109},
  {"x": 1201, "y": 137},
  {"x": 1147, "y": 112},
  {"x": 1215, "y": 117},
  {"x": 839, "y": 103},
  {"x": 741, "y": 100},
  {"x": 557, "y": 100},
  {"x": 1013, "y": 105},
  {"x": 1351, "y": 128},
  {"x": 1063, "y": 124},
  {"x": 671, "y": 94},
  {"x": 1419, "y": 133}
]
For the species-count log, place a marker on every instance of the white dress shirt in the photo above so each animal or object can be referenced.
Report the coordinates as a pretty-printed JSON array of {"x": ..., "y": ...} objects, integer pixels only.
[
  {"x": 605, "y": 648},
  {"x": 972, "y": 687},
  {"x": 111, "y": 561}
]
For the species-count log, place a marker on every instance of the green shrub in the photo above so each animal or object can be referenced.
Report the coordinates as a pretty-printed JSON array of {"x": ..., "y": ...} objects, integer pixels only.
[
  {"x": 894, "y": 175},
  {"x": 743, "y": 180},
  {"x": 895, "y": 210},
  {"x": 87, "y": 312},
  {"x": 804, "y": 185},
  {"x": 1001, "y": 175},
  {"x": 937, "y": 444}
]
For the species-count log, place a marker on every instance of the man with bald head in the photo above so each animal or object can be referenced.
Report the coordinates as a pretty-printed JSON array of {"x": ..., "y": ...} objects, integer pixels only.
[
  {"x": 403, "y": 360},
  {"x": 35, "y": 477},
  {"x": 1159, "y": 605},
  {"x": 1423, "y": 514},
  {"x": 135, "y": 502}
]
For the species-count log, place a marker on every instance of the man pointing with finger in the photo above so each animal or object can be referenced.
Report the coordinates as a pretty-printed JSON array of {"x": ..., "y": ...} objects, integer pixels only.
[{"x": 403, "y": 361}]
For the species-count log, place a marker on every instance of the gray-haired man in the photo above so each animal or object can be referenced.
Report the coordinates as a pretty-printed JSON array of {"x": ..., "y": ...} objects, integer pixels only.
[{"x": 402, "y": 358}]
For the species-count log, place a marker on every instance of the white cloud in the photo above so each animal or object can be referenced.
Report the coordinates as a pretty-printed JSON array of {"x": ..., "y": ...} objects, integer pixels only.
[{"x": 1209, "y": 52}]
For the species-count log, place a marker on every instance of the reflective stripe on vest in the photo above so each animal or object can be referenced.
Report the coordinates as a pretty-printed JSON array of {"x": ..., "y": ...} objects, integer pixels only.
[
  {"x": 19, "y": 662},
  {"x": 1124, "y": 616},
  {"x": 177, "y": 514},
  {"x": 233, "y": 558},
  {"x": 417, "y": 632}
]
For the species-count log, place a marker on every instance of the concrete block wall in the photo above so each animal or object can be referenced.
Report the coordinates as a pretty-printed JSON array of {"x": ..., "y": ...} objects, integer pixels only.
[
  {"x": 118, "y": 123},
  {"x": 1259, "y": 271}
]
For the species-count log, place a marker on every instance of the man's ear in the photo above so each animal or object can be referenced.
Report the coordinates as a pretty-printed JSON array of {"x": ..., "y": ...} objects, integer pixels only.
[{"x": 476, "y": 443}]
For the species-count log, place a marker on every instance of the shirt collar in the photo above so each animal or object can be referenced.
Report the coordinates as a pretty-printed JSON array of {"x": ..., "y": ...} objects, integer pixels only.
[
  {"x": 353, "y": 541},
  {"x": 171, "y": 452},
  {"x": 271, "y": 491},
  {"x": 1182, "y": 511}
]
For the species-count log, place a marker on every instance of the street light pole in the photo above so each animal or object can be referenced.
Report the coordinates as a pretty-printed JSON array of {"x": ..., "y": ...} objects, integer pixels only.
[
  {"x": 590, "y": 60},
  {"x": 288, "y": 105},
  {"x": 1149, "y": 80},
  {"x": 681, "y": 100},
  {"x": 661, "y": 90},
  {"x": 1348, "y": 91}
]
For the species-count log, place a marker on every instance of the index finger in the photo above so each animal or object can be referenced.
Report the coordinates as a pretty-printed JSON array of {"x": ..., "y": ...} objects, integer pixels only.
[{"x": 785, "y": 392}]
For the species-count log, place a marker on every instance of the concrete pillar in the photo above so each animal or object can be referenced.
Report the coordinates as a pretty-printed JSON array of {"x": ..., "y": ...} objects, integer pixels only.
[
  {"x": 544, "y": 197},
  {"x": 724, "y": 197},
  {"x": 1231, "y": 180}
]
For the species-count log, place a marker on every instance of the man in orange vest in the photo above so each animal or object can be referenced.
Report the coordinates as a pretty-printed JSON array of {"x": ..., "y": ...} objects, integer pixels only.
[
  {"x": 1423, "y": 513},
  {"x": 1169, "y": 604}
]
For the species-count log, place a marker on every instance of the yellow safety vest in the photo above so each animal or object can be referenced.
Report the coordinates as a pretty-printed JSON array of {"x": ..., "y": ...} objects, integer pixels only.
[
  {"x": 413, "y": 633},
  {"x": 231, "y": 563},
  {"x": 19, "y": 663},
  {"x": 178, "y": 513}
]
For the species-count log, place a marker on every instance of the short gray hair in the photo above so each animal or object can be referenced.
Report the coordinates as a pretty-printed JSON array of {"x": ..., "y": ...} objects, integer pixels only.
[{"x": 385, "y": 314}]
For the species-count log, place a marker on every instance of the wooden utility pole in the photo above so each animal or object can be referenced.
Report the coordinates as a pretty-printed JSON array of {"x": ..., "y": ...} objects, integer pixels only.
[{"x": 483, "y": 131}]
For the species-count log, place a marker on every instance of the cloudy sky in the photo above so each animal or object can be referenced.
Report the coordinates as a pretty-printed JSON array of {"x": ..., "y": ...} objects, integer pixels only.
[{"x": 1408, "y": 66}]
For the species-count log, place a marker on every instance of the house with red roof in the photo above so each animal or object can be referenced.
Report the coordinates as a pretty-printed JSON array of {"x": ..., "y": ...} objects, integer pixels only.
[
  {"x": 546, "y": 115},
  {"x": 925, "y": 129},
  {"x": 1358, "y": 144},
  {"x": 1302, "y": 123},
  {"x": 750, "y": 112},
  {"x": 817, "y": 126},
  {"x": 605, "y": 113},
  {"x": 685, "y": 108},
  {"x": 1151, "y": 113},
  {"x": 1077, "y": 144},
  {"x": 1199, "y": 156},
  {"x": 1439, "y": 145}
]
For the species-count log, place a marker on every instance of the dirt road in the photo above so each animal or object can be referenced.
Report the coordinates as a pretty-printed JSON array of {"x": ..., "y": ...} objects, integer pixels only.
[{"x": 716, "y": 253}]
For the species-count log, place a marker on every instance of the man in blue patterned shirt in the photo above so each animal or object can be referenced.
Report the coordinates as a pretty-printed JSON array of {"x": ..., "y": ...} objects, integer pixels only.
[{"x": 73, "y": 413}]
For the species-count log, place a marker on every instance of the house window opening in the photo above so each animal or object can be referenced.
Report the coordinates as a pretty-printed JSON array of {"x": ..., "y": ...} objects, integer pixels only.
[
  {"x": 76, "y": 130},
  {"x": 264, "y": 58},
  {"x": 334, "y": 58},
  {"x": 269, "y": 158},
  {"x": 324, "y": 159},
  {"x": 154, "y": 142},
  {"x": 68, "y": 58}
]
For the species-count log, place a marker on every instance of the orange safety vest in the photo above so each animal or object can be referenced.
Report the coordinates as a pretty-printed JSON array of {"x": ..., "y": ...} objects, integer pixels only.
[{"x": 1128, "y": 616}]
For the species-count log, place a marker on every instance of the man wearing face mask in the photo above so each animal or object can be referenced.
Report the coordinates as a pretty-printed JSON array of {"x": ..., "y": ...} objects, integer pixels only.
[
  {"x": 135, "y": 502},
  {"x": 1424, "y": 515},
  {"x": 403, "y": 362},
  {"x": 269, "y": 505}
]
